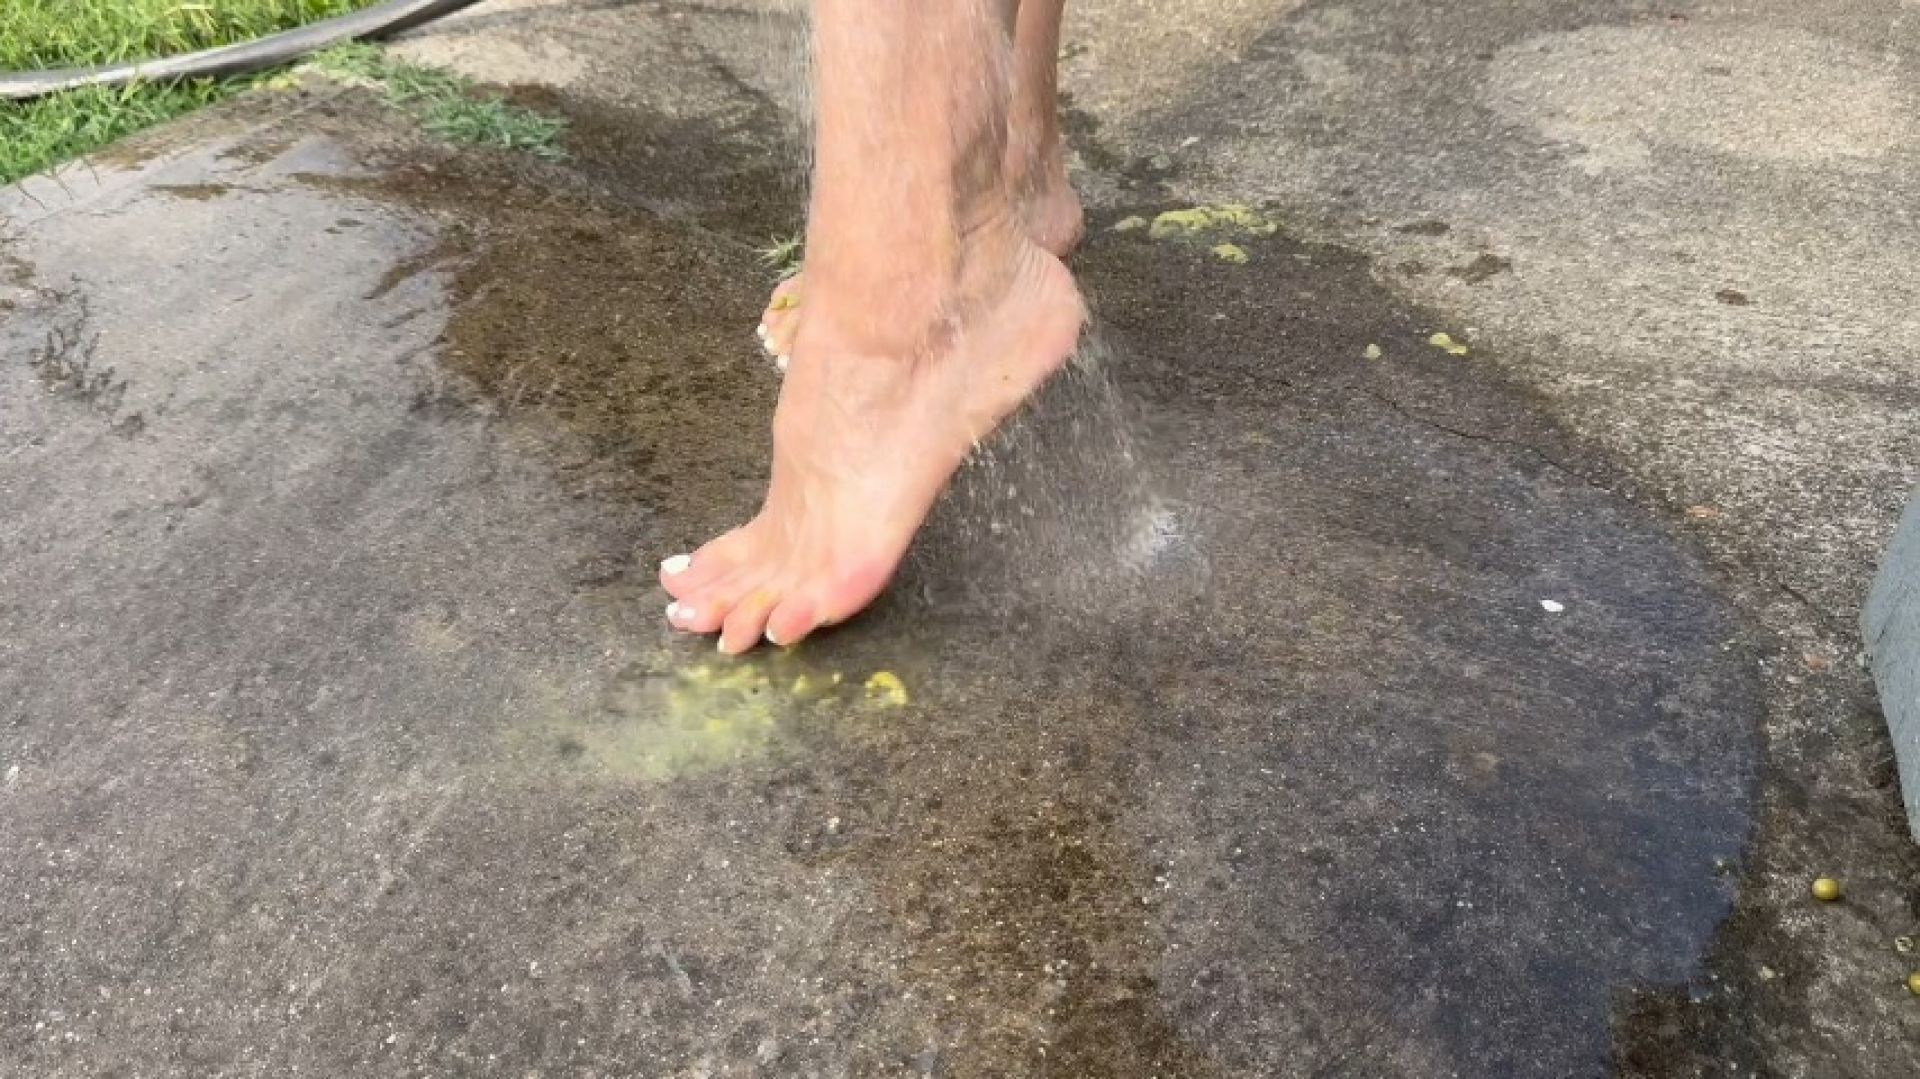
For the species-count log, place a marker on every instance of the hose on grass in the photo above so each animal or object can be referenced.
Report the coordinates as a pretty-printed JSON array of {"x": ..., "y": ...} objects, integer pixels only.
[{"x": 379, "y": 20}]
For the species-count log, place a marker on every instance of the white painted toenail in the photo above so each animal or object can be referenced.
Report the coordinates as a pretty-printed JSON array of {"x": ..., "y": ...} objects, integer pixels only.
[
  {"x": 774, "y": 641},
  {"x": 677, "y": 564},
  {"x": 673, "y": 611},
  {"x": 780, "y": 362}
]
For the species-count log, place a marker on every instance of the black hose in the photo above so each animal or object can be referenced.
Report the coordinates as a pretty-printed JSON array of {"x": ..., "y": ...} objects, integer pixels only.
[{"x": 389, "y": 17}]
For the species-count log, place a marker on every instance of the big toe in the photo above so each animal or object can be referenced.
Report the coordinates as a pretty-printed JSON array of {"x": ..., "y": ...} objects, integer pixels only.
[
  {"x": 687, "y": 575},
  {"x": 706, "y": 610}
]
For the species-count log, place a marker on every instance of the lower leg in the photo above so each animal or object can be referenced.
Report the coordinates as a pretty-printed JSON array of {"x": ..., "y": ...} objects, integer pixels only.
[
  {"x": 912, "y": 103},
  {"x": 1036, "y": 161},
  {"x": 1032, "y": 160}
]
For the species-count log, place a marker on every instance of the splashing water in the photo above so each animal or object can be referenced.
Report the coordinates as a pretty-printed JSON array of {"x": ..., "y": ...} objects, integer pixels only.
[{"x": 1059, "y": 506}]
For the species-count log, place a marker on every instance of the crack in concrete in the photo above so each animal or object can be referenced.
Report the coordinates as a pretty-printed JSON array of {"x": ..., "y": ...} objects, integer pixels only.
[{"x": 1478, "y": 436}]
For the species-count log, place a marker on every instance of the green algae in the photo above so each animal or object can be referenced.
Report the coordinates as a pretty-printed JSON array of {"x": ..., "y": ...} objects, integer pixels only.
[
  {"x": 1226, "y": 218},
  {"x": 656, "y": 725}
]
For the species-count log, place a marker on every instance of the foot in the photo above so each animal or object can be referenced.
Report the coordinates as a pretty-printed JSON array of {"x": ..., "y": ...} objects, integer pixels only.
[
  {"x": 869, "y": 428},
  {"x": 1049, "y": 210}
]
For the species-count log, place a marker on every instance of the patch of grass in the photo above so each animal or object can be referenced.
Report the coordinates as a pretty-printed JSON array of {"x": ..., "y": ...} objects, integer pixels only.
[
  {"x": 448, "y": 105},
  {"x": 38, "y": 34},
  {"x": 42, "y": 133},
  {"x": 783, "y": 255}
]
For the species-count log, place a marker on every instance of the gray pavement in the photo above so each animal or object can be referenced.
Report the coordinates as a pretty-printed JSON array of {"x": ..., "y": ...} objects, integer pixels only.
[{"x": 1254, "y": 708}]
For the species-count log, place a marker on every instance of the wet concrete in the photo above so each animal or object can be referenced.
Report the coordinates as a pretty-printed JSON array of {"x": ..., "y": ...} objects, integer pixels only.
[{"x": 341, "y": 733}]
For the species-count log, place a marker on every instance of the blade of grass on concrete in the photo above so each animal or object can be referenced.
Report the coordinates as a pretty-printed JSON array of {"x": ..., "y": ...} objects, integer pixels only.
[{"x": 448, "y": 105}]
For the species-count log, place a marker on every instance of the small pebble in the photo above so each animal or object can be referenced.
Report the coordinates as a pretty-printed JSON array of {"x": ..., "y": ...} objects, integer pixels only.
[
  {"x": 1552, "y": 606},
  {"x": 1826, "y": 889},
  {"x": 1373, "y": 352},
  {"x": 1913, "y": 983}
]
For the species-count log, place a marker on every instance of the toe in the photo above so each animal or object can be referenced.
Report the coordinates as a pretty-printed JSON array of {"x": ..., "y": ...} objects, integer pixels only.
[
  {"x": 686, "y": 617},
  {"x": 708, "y": 609},
  {"x": 781, "y": 320},
  {"x": 786, "y": 295},
  {"x": 674, "y": 570},
  {"x": 693, "y": 616},
  {"x": 791, "y": 621},
  {"x": 747, "y": 621},
  {"x": 685, "y": 576},
  {"x": 780, "y": 336}
]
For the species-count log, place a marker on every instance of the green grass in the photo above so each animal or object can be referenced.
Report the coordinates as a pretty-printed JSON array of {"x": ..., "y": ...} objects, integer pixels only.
[
  {"x": 36, "y": 34},
  {"x": 783, "y": 255},
  {"x": 447, "y": 105},
  {"x": 43, "y": 133},
  {"x": 67, "y": 33}
]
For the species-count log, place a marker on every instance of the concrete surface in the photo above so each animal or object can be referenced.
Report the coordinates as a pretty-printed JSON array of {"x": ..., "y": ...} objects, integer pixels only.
[
  {"x": 1890, "y": 624},
  {"x": 341, "y": 735}
]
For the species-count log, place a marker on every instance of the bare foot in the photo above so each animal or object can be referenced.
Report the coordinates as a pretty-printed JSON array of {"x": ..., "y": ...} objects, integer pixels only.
[{"x": 869, "y": 428}]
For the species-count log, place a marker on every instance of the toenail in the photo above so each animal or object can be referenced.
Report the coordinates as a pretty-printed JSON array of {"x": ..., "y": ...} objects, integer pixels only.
[
  {"x": 677, "y": 564},
  {"x": 677, "y": 613},
  {"x": 774, "y": 641},
  {"x": 780, "y": 362}
]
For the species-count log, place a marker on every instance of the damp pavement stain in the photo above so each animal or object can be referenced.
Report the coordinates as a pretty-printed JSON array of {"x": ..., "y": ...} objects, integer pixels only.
[
  {"x": 1214, "y": 728},
  {"x": 663, "y": 719}
]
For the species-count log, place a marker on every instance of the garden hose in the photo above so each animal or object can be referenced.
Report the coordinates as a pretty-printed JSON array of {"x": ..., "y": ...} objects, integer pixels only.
[{"x": 387, "y": 17}]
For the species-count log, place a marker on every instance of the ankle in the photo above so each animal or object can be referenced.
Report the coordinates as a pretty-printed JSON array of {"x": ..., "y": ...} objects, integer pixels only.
[{"x": 896, "y": 300}]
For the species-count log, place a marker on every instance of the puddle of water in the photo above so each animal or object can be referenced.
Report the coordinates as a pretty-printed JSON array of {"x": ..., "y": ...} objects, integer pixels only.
[{"x": 1228, "y": 669}]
